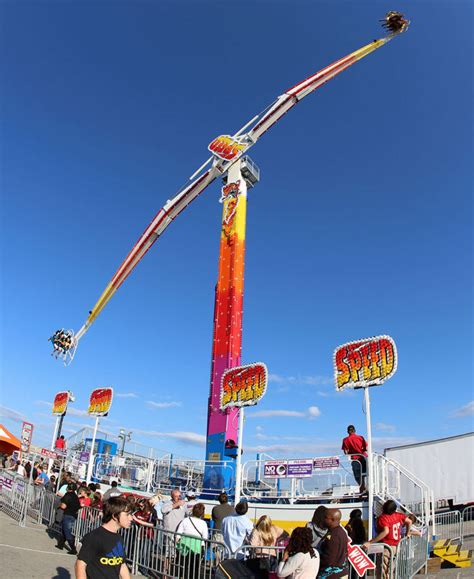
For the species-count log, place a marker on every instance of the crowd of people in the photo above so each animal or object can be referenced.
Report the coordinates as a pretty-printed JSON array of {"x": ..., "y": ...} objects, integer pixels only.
[{"x": 317, "y": 550}]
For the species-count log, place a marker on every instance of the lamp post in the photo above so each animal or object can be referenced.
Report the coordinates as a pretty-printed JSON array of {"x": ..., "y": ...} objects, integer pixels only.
[{"x": 124, "y": 436}]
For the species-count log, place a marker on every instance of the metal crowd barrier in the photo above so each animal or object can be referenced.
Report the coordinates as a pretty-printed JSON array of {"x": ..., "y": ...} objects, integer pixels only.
[
  {"x": 448, "y": 525},
  {"x": 87, "y": 520},
  {"x": 467, "y": 525},
  {"x": 156, "y": 552},
  {"x": 12, "y": 495},
  {"x": 412, "y": 555},
  {"x": 34, "y": 502}
]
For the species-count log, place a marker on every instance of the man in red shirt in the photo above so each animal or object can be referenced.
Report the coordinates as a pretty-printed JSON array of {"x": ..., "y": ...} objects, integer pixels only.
[
  {"x": 356, "y": 446},
  {"x": 60, "y": 443},
  {"x": 389, "y": 527}
]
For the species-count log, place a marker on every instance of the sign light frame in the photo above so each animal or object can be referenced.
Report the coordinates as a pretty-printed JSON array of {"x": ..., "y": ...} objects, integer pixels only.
[
  {"x": 100, "y": 401},
  {"x": 366, "y": 362},
  {"x": 234, "y": 394},
  {"x": 60, "y": 403}
]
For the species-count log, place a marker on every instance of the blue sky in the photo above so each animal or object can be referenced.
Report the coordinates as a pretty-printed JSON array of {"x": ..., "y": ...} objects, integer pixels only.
[{"x": 361, "y": 224}]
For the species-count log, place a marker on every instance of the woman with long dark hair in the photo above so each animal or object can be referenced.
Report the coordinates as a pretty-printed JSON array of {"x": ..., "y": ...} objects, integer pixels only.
[
  {"x": 300, "y": 560},
  {"x": 355, "y": 528}
]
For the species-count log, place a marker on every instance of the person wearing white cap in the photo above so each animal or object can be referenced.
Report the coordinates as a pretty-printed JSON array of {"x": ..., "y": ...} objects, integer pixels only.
[{"x": 191, "y": 500}]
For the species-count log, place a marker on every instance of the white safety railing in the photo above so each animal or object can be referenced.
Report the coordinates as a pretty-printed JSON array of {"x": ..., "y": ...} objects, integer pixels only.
[
  {"x": 131, "y": 472},
  {"x": 391, "y": 480},
  {"x": 325, "y": 481},
  {"x": 201, "y": 475}
]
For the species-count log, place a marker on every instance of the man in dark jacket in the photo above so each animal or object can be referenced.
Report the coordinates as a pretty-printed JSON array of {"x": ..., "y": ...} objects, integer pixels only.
[{"x": 333, "y": 548}]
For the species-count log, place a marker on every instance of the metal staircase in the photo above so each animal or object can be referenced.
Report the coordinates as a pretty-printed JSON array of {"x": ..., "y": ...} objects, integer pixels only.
[{"x": 391, "y": 480}]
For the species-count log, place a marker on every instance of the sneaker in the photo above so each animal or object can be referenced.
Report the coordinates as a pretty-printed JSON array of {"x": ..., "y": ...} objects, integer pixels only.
[{"x": 72, "y": 552}]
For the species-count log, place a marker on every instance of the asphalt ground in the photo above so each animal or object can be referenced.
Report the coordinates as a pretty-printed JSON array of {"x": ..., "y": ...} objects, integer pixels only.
[{"x": 29, "y": 552}]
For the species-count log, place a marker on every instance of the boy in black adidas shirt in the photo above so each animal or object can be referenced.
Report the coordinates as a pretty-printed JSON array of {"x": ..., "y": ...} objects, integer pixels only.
[{"x": 102, "y": 555}]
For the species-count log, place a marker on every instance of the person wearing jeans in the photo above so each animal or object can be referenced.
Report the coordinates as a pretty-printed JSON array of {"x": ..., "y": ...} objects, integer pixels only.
[{"x": 70, "y": 505}]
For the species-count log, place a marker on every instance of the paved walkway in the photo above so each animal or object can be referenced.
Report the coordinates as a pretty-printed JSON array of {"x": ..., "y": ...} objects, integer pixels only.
[{"x": 29, "y": 553}]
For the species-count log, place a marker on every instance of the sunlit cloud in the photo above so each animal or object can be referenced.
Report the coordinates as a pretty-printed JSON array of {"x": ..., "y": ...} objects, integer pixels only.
[
  {"x": 276, "y": 413},
  {"x": 11, "y": 414},
  {"x": 192, "y": 438},
  {"x": 126, "y": 395},
  {"x": 319, "y": 449},
  {"x": 152, "y": 404},
  {"x": 467, "y": 410},
  {"x": 315, "y": 380},
  {"x": 311, "y": 412},
  {"x": 43, "y": 403},
  {"x": 76, "y": 411},
  {"x": 383, "y": 427}
]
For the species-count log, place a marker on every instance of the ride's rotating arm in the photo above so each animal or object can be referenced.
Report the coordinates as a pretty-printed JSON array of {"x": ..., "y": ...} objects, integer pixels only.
[{"x": 226, "y": 150}]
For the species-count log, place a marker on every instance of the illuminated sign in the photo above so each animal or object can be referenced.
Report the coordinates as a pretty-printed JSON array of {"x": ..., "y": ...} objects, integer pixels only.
[
  {"x": 367, "y": 362},
  {"x": 26, "y": 436},
  {"x": 100, "y": 402},
  {"x": 243, "y": 386},
  {"x": 60, "y": 403},
  {"x": 226, "y": 148}
]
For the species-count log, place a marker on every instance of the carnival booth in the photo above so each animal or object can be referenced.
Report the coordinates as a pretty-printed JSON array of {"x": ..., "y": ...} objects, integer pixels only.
[{"x": 8, "y": 442}]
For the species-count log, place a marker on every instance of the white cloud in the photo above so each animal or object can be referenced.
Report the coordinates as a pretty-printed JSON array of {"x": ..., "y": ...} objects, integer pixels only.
[
  {"x": 384, "y": 427},
  {"x": 272, "y": 413},
  {"x": 76, "y": 411},
  {"x": 152, "y": 404},
  {"x": 43, "y": 403},
  {"x": 312, "y": 412},
  {"x": 126, "y": 395},
  {"x": 323, "y": 448},
  {"x": 467, "y": 410},
  {"x": 11, "y": 414},
  {"x": 298, "y": 450},
  {"x": 181, "y": 436},
  {"x": 261, "y": 436},
  {"x": 381, "y": 443},
  {"x": 299, "y": 379}
]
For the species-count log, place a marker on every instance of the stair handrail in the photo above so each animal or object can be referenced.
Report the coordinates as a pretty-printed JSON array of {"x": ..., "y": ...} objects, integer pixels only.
[{"x": 427, "y": 493}]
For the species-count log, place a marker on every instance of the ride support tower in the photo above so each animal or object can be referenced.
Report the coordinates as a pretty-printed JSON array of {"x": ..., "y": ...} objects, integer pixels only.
[{"x": 222, "y": 425}]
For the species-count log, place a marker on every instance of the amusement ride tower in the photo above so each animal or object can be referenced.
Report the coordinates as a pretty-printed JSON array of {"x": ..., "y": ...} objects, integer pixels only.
[{"x": 222, "y": 425}]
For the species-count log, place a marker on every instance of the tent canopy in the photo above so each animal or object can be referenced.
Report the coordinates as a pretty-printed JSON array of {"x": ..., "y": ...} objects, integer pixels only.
[{"x": 8, "y": 442}]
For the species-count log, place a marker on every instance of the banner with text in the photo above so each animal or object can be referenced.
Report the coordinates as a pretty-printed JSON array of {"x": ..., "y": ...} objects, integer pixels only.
[{"x": 26, "y": 436}]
